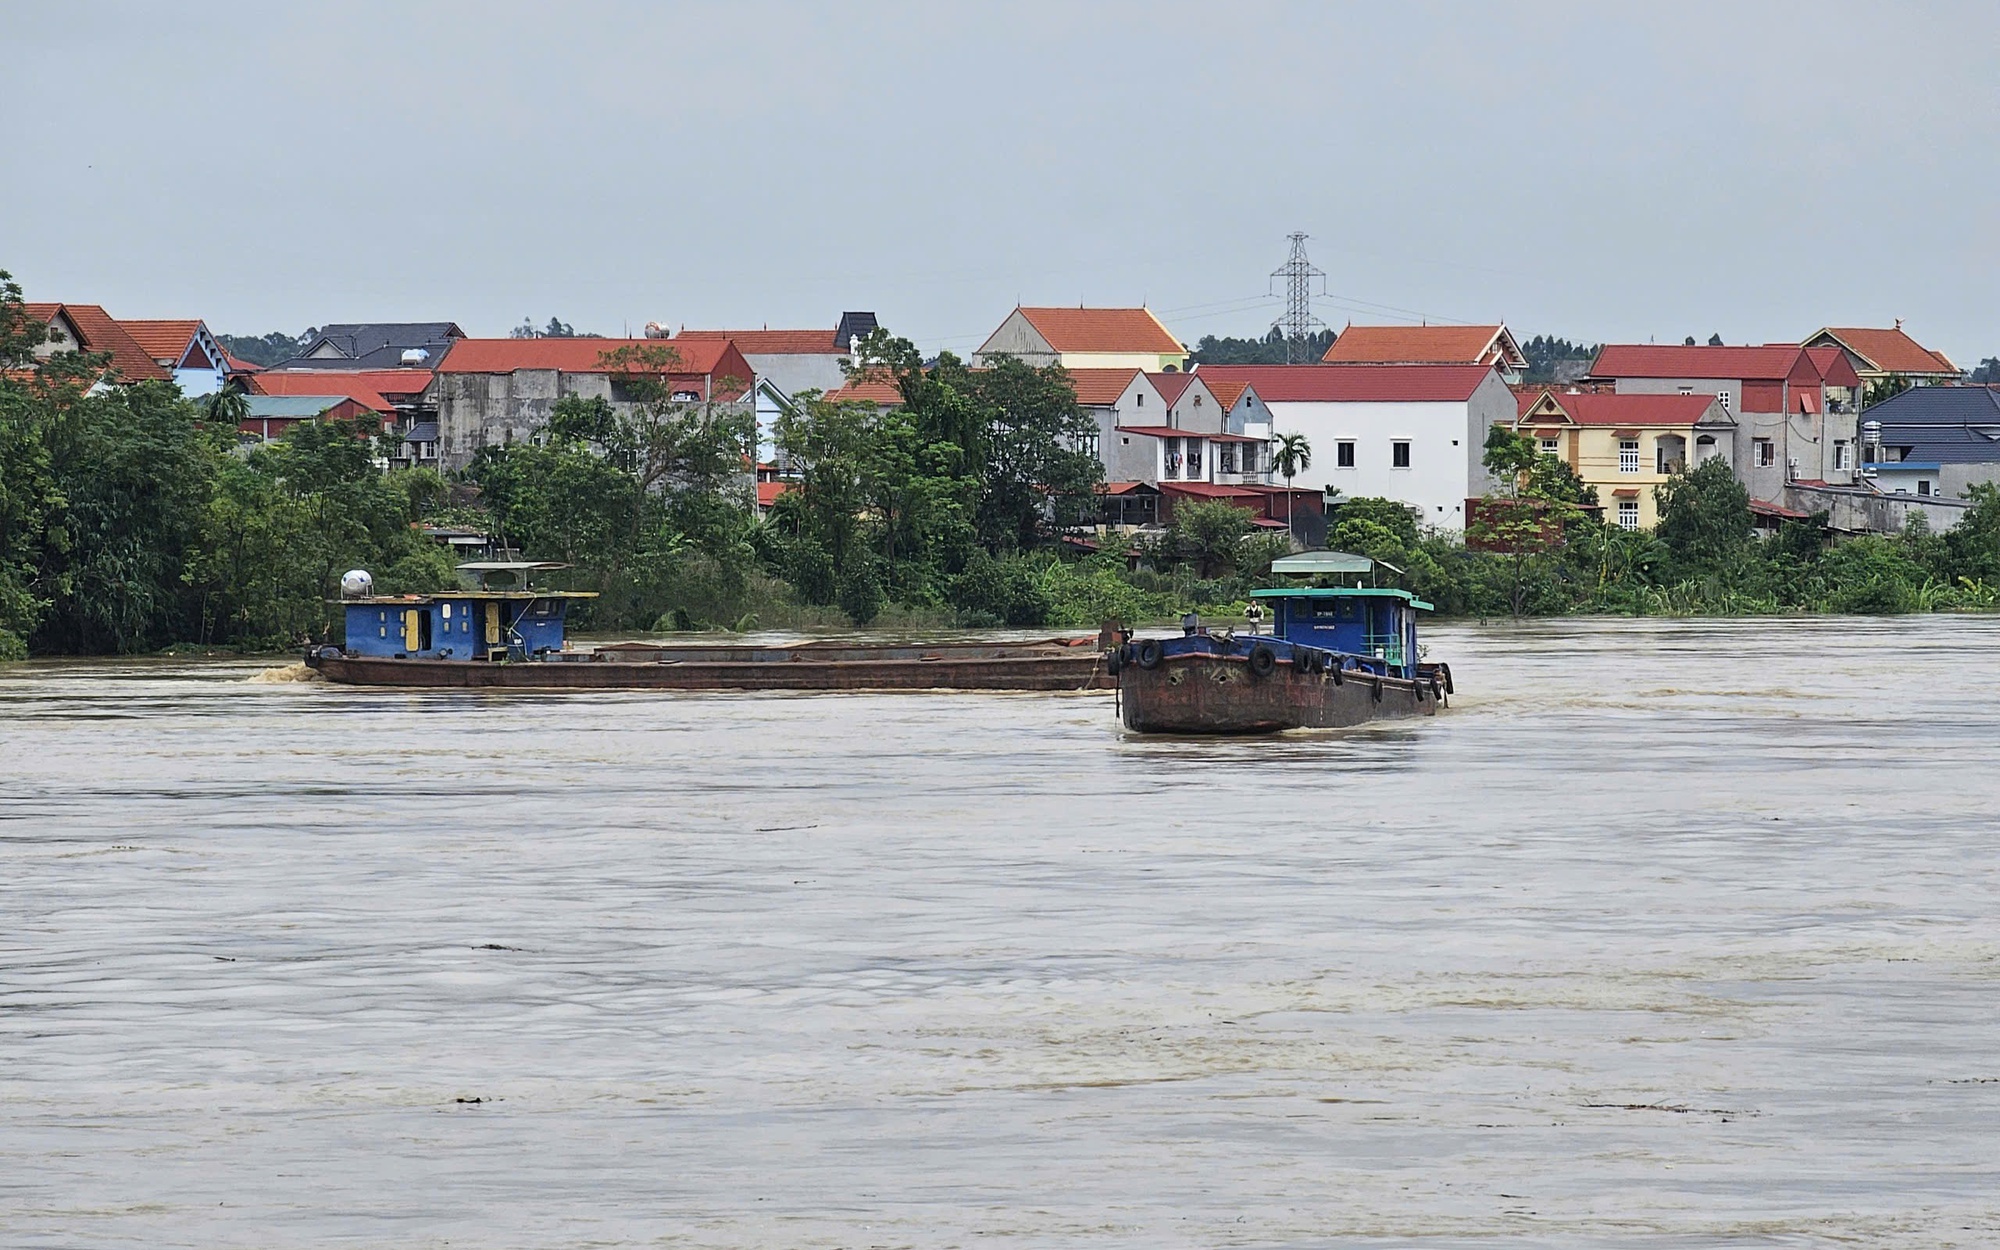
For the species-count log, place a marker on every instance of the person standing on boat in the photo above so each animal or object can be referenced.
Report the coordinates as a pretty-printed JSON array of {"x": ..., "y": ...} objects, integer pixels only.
[{"x": 1190, "y": 625}]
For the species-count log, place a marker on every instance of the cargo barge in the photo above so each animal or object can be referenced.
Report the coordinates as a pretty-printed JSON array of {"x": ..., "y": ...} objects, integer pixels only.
[{"x": 501, "y": 633}]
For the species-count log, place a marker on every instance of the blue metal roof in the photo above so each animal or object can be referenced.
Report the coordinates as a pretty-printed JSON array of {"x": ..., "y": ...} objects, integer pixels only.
[{"x": 1942, "y": 424}]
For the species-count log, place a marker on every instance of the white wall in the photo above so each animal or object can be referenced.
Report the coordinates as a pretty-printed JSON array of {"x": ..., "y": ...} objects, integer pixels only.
[{"x": 1438, "y": 480}]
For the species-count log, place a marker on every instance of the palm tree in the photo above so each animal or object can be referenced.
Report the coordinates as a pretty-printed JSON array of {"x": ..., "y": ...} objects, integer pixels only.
[{"x": 1293, "y": 456}]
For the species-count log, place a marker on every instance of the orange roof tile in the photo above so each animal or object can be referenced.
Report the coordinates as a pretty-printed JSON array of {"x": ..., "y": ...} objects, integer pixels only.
[
  {"x": 323, "y": 382},
  {"x": 1890, "y": 351},
  {"x": 1413, "y": 345},
  {"x": 698, "y": 356},
  {"x": 773, "y": 342},
  {"x": 868, "y": 390},
  {"x": 165, "y": 341},
  {"x": 381, "y": 381},
  {"x": 98, "y": 332},
  {"x": 1100, "y": 387},
  {"x": 1103, "y": 330},
  {"x": 1226, "y": 392}
]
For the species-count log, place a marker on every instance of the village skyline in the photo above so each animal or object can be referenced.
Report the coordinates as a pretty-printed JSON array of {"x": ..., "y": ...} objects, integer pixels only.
[{"x": 1619, "y": 176}]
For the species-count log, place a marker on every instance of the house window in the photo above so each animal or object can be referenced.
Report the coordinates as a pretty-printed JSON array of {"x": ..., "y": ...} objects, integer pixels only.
[
  {"x": 1842, "y": 453},
  {"x": 1343, "y": 455},
  {"x": 1722, "y": 397},
  {"x": 1173, "y": 455},
  {"x": 1923, "y": 486},
  {"x": 1550, "y": 447},
  {"x": 1628, "y": 514},
  {"x": 1197, "y": 401},
  {"x": 1225, "y": 457},
  {"x": 1139, "y": 400},
  {"x": 1763, "y": 453},
  {"x": 1399, "y": 455},
  {"x": 1194, "y": 457},
  {"x": 1628, "y": 455},
  {"x": 1249, "y": 457},
  {"x": 1089, "y": 443}
]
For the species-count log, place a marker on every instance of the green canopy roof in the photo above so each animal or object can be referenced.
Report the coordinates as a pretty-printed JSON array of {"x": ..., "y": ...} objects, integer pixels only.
[{"x": 1343, "y": 592}]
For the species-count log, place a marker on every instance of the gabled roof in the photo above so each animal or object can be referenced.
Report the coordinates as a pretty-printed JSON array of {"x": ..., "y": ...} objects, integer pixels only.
[
  {"x": 697, "y": 356},
  {"x": 882, "y": 392},
  {"x": 1888, "y": 351},
  {"x": 1226, "y": 392},
  {"x": 290, "y": 407},
  {"x": 1170, "y": 385},
  {"x": 1103, "y": 330},
  {"x": 167, "y": 342},
  {"x": 1601, "y": 408},
  {"x": 96, "y": 332},
  {"x": 773, "y": 342},
  {"x": 1943, "y": 424},
  {"x": 1100, "y": 387},
  {"x": 1771, "y": 363},
  {"x": 1425, "y": 345},
  {"x": 363, "y": 340},
  {"x": 307, "y": 383},
  {"x": 1279, "y": 384}
]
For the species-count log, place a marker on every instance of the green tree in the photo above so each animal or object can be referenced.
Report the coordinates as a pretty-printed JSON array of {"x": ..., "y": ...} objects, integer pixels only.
[
  {"x": 1292, "y": 456},
  {"x": 1705, "y": 519}
]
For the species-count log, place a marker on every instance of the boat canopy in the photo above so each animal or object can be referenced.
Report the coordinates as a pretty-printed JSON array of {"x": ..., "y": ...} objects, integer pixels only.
[
  {"x": 506, "y": 574},
  {"x": 1344, "y": 592},
  {"x": 1333, "y": 563}
]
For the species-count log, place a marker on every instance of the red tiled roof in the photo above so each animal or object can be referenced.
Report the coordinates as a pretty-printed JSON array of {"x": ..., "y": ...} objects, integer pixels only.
[
  {"x": 1891, "y": 351},
  {"x": 239, "y": 365},
  {"x": 772, "y": 342},
  {"x": 1103, "y": 330},
  {"x": 1412, "y": 345},
  {"x": 699, "y": 356},
  {"x": 1834, "y": 367},
  {"x": 1171, "y": 385},
  {"x": 1773, "y": 362},
  {"x": 1226, "y": 393},
  {"x": 1122, "y": 488},
  {"x": 1100, "y": 386},
  {"x": 768, "y": 492},
  {"x": 322, "y": 382},
  {"x": 165, "y": 341},
  {"x": 98, "y": 332},
  {"x": 1605, "y": 409},
  {"x": 880, "y": 391},
  {"x": 1279, "y": 384},
  {"x": 380, "y": 381}
]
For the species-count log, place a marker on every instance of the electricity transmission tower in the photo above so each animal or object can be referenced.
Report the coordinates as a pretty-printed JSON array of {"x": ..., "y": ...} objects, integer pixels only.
[{"x": 1298, "y": 323}]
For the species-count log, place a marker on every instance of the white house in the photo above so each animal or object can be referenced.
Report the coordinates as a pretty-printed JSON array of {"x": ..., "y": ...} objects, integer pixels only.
[{"x": 1412, "y": 433}]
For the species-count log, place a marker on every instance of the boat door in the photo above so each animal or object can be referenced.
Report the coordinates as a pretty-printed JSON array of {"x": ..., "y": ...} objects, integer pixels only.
[
  {"x": 412, "y": 624},
  {"x": 492, "y": 626}
]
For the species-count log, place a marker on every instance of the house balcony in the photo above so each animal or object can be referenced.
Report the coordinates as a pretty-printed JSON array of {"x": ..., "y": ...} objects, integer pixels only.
[{"x": 1257, "y": 477}]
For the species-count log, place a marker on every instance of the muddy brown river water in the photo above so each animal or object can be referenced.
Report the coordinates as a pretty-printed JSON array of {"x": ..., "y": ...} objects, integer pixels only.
[{"x": 1668, "y": 934}]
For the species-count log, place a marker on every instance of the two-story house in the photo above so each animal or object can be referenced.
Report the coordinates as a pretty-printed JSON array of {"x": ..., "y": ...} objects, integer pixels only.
[
  {"x": 1412, "y": 433},
  {"x": 1626, "y": 445},
  {"x": 490, "y": 392},
  {"x": 377, "y": 345},
  {"x": 1795, "y": 407},
  {"x": 1882, "y": 355},
  {"x": 1085, "y": 338}
]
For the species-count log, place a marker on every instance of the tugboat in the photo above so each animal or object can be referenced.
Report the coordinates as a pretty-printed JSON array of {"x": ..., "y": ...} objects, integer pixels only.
[{"x": 1334, "y": 657}]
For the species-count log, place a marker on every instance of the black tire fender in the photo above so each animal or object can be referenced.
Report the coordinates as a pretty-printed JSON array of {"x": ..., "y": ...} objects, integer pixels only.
[
  {"x": 1114, "y": 659},
  {"x": 1375, "y": 690},
  {"x": 1339, "y": 672},
  {"x": 1263, "y": 660},
  {"x": 1150, "y": 653}
]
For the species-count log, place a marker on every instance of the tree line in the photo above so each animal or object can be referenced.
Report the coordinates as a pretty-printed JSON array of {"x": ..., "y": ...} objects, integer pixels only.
[{"x": 132, "y": 518}]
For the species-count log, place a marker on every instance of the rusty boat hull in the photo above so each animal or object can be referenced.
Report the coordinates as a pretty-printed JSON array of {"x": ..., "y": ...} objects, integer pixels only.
[
  {"x": 1226, "y": 694},
  {"x": 1053, "y": 666}
]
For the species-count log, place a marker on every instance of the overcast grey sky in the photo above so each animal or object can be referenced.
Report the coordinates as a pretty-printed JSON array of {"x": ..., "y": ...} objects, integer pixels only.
[{"x": 1601, "y": 170}]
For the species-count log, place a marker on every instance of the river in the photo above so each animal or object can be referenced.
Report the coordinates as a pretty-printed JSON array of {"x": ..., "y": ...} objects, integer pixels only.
[{"x": 1668, "y": 933}]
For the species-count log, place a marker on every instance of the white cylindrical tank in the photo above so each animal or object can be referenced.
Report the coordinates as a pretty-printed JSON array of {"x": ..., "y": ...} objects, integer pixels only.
[{"x": 356, "y": 584}]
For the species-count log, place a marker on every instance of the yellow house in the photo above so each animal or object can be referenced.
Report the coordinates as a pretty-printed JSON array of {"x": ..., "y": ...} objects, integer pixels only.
[
  {"x": 1625, "y": 445},
  {"x": 1085, "y": 338}
]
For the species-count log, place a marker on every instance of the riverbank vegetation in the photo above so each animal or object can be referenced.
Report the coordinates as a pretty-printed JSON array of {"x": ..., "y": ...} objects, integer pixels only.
[{"x": 131, "y": 518}]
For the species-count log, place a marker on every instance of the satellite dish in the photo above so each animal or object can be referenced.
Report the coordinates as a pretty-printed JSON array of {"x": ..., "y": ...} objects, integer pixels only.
[{"x": 355, "y": 583}]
